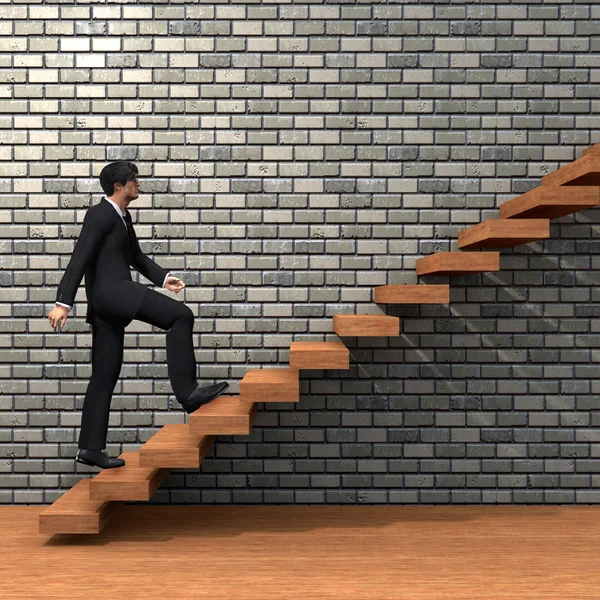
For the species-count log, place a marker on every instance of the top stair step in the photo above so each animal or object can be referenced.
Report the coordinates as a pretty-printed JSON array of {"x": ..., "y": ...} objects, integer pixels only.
[
  {"x": 504, "y": 233},
  {"x": 583, "y": 171},
  {"x": 419, "y": 293},
  {"x": 550, "y": 202}
]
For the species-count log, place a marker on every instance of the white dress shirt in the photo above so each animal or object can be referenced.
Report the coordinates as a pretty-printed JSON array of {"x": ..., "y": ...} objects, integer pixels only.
[{"x": 122, "y": 215}]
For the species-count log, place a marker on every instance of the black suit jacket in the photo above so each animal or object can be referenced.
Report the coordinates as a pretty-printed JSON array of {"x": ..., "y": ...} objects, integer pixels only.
[{"x": 103, "y": 253}]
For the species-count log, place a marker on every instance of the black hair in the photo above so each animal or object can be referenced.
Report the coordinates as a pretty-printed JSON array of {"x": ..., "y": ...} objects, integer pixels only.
[{"x": 121, "y": 172}]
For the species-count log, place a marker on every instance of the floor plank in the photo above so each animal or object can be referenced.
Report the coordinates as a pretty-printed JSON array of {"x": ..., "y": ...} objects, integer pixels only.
[{"x": 305, "y": 552}]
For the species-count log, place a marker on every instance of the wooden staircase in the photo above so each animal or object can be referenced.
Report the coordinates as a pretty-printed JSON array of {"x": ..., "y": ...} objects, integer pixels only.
[{"x": 88, "y": 506}]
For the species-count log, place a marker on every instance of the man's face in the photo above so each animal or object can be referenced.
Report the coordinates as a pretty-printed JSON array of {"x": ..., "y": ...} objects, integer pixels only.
[
  {"x": 129, "y": 191},
  {"x": 134, "y": 188}
]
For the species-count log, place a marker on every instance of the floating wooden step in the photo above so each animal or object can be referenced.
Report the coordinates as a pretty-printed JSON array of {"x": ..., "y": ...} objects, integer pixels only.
[
  {"x": 583, "y": 171},
  {"x": 129, "y": 483},
  {"x": 74, "y": 512},
  {"x": 319, "y": 355},
  {"x": 504, "y": 233},
  {"x": 403, "y": 293},
  {"x": 227, "y": 415},
  {"x": 551, "y": 202},
  {"x": 366, "y": 325},
  {"x": 271, "y": 385},
  {"x": 595, "y": 148},
  {"x": 458, "y": 263},
  {"x": 173, "y": 446}
]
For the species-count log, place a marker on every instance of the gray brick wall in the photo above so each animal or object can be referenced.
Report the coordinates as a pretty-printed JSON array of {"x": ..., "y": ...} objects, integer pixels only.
[{"x": 292, "y": 158}]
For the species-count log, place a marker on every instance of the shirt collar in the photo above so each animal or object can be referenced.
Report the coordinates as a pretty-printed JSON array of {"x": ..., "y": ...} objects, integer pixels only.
[{"x": 116, "y": 207}]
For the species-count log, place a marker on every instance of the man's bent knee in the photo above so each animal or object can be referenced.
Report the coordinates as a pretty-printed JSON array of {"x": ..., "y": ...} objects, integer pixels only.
[{"x": 185, "y": 313}]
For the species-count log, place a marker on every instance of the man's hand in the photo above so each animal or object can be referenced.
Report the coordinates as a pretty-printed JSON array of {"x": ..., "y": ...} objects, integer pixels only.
[
  {"x": 58, "y": 313},
  {"x": 174, "y": 284}
]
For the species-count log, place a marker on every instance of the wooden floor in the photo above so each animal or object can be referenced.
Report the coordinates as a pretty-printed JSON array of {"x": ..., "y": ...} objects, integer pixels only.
[{"x": 304, "y": 552}]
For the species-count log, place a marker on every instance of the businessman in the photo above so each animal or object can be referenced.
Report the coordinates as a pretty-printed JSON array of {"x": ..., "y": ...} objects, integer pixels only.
[{"x": 106, "y": 248}]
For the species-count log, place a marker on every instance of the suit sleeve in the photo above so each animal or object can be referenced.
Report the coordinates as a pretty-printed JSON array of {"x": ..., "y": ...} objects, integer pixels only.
[
  {"x": 146, "y": 266},
  {"x": 90, "y": 239}
]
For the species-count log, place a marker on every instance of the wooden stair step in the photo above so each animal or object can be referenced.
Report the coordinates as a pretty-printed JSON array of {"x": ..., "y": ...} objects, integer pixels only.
[
  {"x": 593, "y": 148},
  {"x": 173, "y": 446},
  {"x": 583, "y": 171},
  {"x": 551, "y": 202},
  {"x": 504, "y": 233},
  {"x": 458, "y": 263},
  {"x": 403, "y": 293},
  {"x": 128, "y": 483},
  {"x": 420, "y": 293},
  {"x": 227, "y": 415},
  {"x": 366, "y": 325},
  {"x": 74, "y": 512},
  {"x": 271, "y": 385},
  {"x": 319, "y": 355}
]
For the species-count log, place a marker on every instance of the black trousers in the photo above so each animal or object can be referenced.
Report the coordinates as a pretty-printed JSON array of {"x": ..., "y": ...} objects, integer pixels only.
[{"x": 107, "y": 358}]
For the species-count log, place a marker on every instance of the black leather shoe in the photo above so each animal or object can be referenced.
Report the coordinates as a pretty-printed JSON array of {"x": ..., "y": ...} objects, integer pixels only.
[
  {"x": 203, "y": 395},
  {"x": 97, "y": 458}
]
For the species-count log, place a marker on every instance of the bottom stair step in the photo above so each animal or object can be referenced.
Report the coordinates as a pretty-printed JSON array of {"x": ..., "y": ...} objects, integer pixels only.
[{"x": 74, "y": 512}]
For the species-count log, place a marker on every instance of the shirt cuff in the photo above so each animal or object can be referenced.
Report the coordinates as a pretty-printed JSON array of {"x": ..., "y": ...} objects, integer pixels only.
[
  {"x": 166, "y": 277},
  {"x": 65, "y": 305}
]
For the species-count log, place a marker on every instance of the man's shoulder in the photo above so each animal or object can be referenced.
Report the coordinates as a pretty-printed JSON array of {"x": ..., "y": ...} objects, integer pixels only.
[{"x": 98, "y": 214}]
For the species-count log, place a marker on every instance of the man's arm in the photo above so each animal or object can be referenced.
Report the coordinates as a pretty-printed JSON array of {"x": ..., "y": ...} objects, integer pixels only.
[
  {"x": 146, "y": 266},
  {"x": 87, "y": 246}
]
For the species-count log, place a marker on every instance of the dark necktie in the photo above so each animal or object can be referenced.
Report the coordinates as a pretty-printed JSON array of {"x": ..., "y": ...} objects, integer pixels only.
[{"x": 129, "y": 226}]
